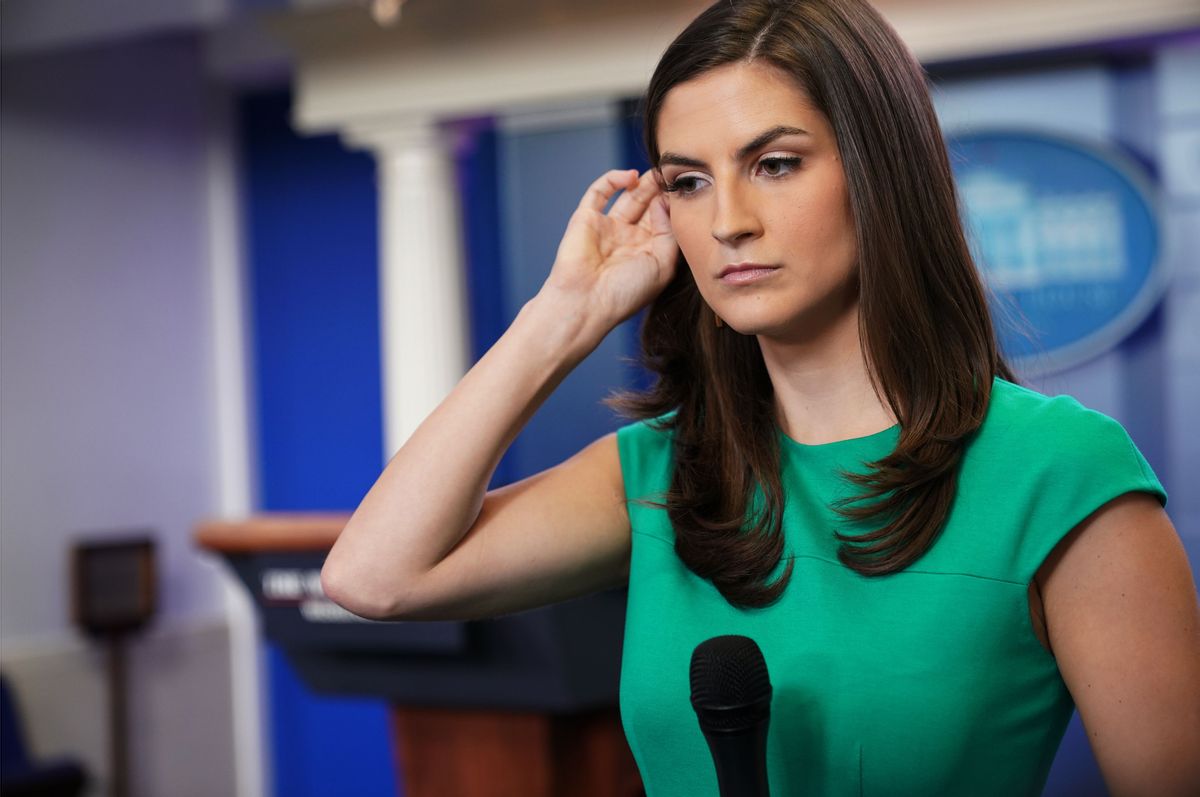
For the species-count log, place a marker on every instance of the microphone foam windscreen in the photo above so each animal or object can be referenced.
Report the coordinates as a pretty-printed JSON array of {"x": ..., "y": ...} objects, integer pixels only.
[{"x": 730, "y": 686}]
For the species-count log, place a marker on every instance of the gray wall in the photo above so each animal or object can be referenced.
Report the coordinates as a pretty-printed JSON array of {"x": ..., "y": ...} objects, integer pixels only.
[{"x": 107, "y": 412}]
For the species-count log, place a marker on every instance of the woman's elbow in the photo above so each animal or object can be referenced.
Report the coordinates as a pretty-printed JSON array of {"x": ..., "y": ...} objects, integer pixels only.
[{"x": 353, "y": 596}]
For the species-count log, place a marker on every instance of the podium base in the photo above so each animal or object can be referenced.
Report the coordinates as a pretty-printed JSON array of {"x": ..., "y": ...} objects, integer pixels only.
[{"x": 476, "y": 753}]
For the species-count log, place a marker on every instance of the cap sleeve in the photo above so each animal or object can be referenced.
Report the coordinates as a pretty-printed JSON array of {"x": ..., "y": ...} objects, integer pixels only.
[{"x": 1089, "y": 460}]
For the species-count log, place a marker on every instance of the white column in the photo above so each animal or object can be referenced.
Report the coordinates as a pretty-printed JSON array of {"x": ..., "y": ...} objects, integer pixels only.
[
  {"x": 422, "y": 290},
  {"x": 236, "y": 458}
]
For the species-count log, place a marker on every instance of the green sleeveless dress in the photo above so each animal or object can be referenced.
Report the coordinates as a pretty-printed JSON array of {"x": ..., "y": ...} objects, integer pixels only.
[{"x": 930, "y": 681}]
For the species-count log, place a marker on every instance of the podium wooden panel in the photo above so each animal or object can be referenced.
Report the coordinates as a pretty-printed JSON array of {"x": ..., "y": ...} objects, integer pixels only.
[{"x": 513, "y": 754}]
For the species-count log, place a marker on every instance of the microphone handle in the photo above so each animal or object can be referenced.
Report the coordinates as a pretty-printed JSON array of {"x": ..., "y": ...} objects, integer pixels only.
[{"x": 741, "y": 761}]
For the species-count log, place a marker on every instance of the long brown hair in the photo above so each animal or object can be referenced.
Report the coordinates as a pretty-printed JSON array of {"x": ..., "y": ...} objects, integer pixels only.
[{"x": 924, "y": 323}]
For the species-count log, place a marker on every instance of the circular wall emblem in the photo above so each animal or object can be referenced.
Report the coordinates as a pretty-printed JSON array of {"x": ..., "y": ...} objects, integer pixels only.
[{"x": 1067, "y": 235}]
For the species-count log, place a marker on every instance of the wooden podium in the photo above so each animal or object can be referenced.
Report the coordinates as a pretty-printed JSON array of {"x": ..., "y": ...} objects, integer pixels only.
[{"x": 523, "y": 705}]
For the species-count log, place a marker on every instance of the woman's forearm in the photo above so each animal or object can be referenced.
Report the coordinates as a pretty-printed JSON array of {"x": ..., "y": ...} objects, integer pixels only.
[{"x": 431, "y": 491}]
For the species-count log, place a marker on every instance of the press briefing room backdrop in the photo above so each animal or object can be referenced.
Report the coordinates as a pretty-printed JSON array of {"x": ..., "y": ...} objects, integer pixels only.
[{"x": 195, "y": 311}]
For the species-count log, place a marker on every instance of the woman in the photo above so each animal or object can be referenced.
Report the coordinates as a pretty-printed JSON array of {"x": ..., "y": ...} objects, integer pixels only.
[{"x": 937, "y": 563}]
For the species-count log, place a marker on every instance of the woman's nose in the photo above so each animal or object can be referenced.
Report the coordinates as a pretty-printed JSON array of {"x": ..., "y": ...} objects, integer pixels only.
[{"x": 733, "y": 218}]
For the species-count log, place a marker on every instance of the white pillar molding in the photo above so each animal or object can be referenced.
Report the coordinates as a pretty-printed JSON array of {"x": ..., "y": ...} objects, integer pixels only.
[
  {"x": 236, "y": 455},
  {"x": 423, "y": 312}
]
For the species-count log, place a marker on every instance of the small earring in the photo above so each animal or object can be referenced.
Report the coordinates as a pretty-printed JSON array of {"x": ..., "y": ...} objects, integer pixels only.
[{"x": 720, "y": 323}]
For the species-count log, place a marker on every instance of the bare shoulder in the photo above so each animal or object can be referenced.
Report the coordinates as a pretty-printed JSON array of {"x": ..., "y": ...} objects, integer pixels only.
[
  {"x": 558, "y": 534},
  {"x": 1123, "y": 622}
]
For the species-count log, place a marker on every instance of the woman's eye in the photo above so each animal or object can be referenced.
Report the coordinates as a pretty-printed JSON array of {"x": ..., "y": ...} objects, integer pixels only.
[
  {"x": 683, "y": 186},
  {"x": 785, "y": 164}
]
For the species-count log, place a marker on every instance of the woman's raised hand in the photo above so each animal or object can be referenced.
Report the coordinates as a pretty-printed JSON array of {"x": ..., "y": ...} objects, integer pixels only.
[
  {"x": 615, "y": 263},
  {"x": 429, "y": 541}
]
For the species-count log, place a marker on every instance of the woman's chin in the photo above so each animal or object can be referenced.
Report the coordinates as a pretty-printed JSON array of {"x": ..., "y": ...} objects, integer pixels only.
[
  {"x": 761, "y": 321},
  {"x": 756, "y": 327}
]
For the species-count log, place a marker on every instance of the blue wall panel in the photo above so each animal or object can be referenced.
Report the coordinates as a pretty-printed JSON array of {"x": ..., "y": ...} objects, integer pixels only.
[
  {"x": 544, "y": 169},
  {"x": 311, "y": 250},
  {"x": 478, "y": 176}
]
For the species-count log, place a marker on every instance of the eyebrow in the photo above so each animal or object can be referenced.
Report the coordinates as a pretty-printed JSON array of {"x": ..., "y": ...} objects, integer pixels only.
[{"x": 761, "y": 140}]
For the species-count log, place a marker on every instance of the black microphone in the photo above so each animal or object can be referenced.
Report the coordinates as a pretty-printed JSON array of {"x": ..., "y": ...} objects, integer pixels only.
[{"x": 731, "y": 694}]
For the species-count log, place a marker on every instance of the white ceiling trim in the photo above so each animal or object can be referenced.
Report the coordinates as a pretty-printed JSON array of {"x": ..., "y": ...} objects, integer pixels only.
[{"x": 444, "y": 61}]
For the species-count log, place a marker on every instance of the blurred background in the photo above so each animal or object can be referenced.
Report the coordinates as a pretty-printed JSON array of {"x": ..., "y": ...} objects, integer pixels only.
[{"x": 247, "y": 244}]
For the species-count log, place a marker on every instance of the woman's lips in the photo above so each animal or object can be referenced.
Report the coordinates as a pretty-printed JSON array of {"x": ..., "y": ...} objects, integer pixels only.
[{"x": 743, "y": 276}]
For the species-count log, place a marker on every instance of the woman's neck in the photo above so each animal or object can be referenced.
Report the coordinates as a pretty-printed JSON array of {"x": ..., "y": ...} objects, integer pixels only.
[{"x": 823, "y": 392}]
